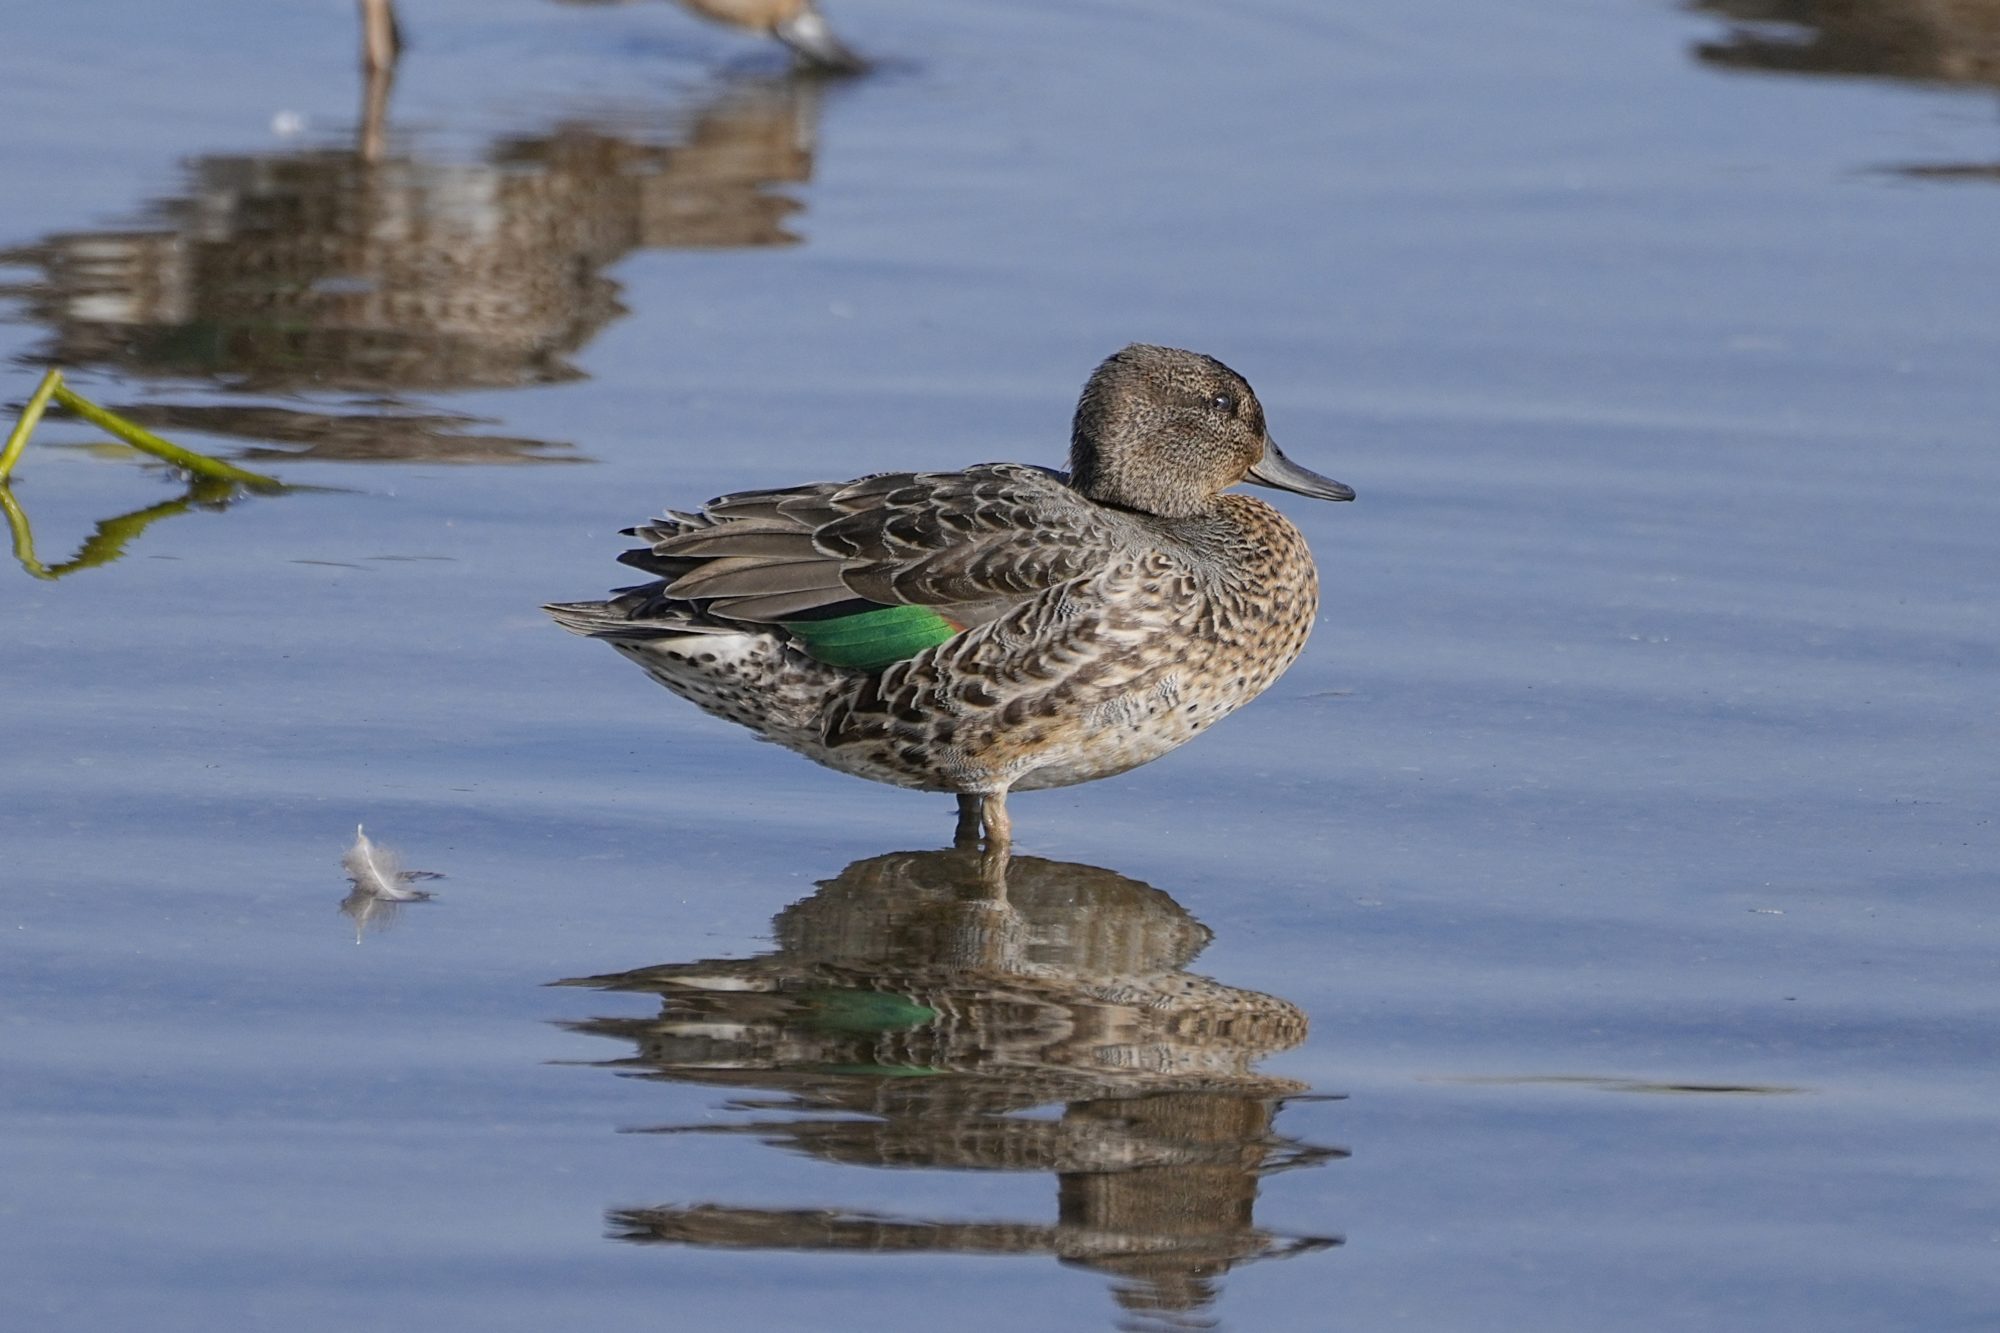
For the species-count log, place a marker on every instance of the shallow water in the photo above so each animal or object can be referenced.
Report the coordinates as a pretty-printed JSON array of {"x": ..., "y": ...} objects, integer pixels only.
[{"x": 1594, "y": 929}]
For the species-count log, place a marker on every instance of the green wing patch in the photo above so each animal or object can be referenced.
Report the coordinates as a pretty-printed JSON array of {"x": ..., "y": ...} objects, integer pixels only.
[
  {"x": 871, "y": 639},
  {"x": 865, "y": 1011}
]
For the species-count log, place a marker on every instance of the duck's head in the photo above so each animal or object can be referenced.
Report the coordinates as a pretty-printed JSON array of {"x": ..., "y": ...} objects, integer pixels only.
[{"x": 1165, "y": 432}]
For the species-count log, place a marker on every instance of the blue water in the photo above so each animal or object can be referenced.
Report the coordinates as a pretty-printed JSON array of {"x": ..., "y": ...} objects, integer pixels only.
[{"x": 1594, "y": 929}]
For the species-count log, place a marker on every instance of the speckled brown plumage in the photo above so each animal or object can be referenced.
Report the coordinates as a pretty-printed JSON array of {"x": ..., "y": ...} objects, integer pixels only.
[{"x": 1106, "y": 616}]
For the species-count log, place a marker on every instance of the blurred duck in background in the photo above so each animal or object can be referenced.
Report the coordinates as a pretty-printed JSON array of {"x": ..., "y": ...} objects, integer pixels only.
[{"x": 796, "y": 23}]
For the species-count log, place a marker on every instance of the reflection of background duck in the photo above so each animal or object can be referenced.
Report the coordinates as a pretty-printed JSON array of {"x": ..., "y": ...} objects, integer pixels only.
[
  {"x": 330, "y": 269},
  {"x": 1953, "y": 41},
  {"x": 931, "y": 1013},
  {"x": 1927, "y": 41},
  {"x": 322, "y": 269}
]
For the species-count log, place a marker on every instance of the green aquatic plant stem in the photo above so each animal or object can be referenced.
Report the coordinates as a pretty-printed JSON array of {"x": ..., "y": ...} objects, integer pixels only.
[
  {"x": 110, "y": 538},
  {"x": 24, "y": 538},
  {"x": 201, "y": 465},
  {"x": 30, "y": 415}
]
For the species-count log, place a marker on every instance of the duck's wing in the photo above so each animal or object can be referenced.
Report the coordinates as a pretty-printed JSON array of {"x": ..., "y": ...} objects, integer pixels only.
[{"x": 969, "y": 545}]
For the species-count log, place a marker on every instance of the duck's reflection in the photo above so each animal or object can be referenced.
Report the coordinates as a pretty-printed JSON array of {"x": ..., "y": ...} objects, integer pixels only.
[
  {"x": 929, "y": 1005},
  {"x": 1926, "y": 41},
  {"x": 379, "y": 274}
]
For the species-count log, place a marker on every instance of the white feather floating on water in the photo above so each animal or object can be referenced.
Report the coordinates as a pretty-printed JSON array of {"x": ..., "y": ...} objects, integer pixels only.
[{"x": 378, "y": 872}]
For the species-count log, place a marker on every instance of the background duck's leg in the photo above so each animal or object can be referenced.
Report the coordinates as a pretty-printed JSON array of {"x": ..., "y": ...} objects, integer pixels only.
[
  {"x": 967, "y": 833},
  {"x": 380, "y": 41},
  {"x": 372, "y": 140}
]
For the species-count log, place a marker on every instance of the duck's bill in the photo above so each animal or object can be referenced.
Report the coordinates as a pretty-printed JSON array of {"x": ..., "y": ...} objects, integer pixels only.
[
  {"x": 809, "y": 35},
  {"x": 1278, "y": 471}
]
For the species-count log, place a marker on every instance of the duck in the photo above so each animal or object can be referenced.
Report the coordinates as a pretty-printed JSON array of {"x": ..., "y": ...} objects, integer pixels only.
[
  {"x": 1008, "y": 627},
  {"x": 796, "y": 23}
]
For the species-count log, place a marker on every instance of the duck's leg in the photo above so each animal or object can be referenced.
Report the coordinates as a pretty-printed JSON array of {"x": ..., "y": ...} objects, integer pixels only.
[
  {"x": 993, "y": 815},
  {"x": 973, "y": 811},
  {"x": 966, "y": 834},
  {"x": 982, "y": 810},
  {"x": 999, "y": 839}
]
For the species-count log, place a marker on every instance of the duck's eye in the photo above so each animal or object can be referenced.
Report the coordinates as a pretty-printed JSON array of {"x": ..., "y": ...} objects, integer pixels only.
[{"x": 1224, "y": 403}]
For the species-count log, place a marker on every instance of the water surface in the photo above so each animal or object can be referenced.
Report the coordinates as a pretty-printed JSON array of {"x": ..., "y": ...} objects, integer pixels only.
[{"x": 1594, "y": 929}]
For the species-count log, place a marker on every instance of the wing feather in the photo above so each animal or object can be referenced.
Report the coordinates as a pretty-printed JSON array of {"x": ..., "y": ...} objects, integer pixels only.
[
  {"x": 755, "y": 576},
  {"x": 972, "y": 545}
]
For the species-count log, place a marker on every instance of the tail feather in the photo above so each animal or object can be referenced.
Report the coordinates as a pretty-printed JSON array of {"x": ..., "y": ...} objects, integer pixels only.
[
  {"x": 585, "y": 618},
  {"x": 614, "y": 620}
]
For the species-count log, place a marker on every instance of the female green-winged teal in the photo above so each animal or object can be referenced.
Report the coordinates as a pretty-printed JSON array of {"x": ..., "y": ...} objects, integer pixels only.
[{"x": 1003, "y": 628}]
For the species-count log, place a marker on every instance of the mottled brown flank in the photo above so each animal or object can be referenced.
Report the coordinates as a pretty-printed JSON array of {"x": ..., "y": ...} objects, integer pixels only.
[
  {"x": 1111, "y": 615},
  {"x": 1096, "y": 676}
]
